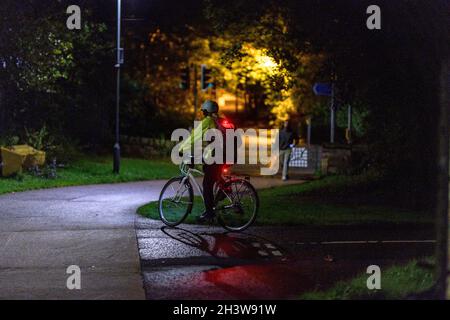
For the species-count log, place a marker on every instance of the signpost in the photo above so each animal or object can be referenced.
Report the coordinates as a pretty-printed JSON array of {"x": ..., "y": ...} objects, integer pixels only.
[
  {"x": 322, "y": 89},
  {"x": 327, "y": 89},
  {"x": 349, "y": 124}
]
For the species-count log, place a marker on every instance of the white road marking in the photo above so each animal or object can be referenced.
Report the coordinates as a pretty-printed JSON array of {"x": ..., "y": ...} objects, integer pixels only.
[
  {"x": 366, "y": 242},
  {"x": 340, "y": 242},
  {"x": 408, "y": 241}
]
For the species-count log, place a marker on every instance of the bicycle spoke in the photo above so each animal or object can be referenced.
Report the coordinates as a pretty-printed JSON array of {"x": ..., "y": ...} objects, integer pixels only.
[
  {"x": 239, "y": 210},
  {"x": 175, "y": 201}
]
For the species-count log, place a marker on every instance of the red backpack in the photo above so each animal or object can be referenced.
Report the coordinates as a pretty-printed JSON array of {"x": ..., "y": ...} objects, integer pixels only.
[{"x": 222, "y": 124}]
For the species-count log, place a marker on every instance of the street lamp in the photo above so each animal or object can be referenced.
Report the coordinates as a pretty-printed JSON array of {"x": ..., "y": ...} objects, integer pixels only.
[{"x": 119, "y": 61}]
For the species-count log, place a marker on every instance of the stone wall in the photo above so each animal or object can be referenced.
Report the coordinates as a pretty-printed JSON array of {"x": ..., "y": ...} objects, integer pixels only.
[
  {"x": 146, "y": 147},
  {"x": 335, "y": 159}
]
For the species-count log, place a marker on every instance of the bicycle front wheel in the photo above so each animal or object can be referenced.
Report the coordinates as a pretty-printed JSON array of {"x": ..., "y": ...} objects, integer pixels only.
[
  {"x": 175, "y": 201},
  {"x": 237, "y": 204}
]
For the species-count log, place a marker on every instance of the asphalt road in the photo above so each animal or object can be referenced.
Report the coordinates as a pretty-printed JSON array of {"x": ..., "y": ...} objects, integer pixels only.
[
  {"x": 44, "y": 232},
  {"x": 199, "y": 262}
]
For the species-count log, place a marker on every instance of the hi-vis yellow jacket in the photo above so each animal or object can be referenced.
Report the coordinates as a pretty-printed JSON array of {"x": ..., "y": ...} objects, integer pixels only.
[{"x": 197, "y": 134}]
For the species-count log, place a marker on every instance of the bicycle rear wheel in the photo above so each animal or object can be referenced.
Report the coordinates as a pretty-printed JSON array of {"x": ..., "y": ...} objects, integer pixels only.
[
  {"x": 175, "y": 201},
  {"x": 238, "y": 205}
]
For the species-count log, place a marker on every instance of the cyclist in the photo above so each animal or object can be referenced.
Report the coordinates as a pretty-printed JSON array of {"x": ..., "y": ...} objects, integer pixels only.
[{"x": 212, "y": 172}]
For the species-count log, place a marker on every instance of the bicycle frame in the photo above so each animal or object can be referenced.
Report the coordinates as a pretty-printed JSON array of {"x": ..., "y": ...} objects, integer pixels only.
[
  {"x": 188, "y": 173},
  {"x": 225, "y": 189}
]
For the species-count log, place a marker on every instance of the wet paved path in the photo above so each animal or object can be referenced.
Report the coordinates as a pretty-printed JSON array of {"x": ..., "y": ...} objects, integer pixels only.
[
  {"x": 43, "y": 232},
  {"x": 201, "y": 262}
]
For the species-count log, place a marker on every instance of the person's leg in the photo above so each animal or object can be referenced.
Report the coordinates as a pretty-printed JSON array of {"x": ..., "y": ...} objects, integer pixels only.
[
  {"x": 281, "y": 160},
  {"x": 286, "y": 158},
  {"x": 208, "y": 185}
]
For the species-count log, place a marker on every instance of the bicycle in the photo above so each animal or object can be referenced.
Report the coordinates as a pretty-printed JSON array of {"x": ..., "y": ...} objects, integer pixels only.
[{"x": 236, "y": 200}]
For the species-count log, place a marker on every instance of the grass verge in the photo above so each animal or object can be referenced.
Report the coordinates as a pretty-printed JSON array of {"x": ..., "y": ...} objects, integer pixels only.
[
  {"x": 93, "y": 170},
  {"x": 397, "y": 282},
  {"x": 332, "y": 201}
]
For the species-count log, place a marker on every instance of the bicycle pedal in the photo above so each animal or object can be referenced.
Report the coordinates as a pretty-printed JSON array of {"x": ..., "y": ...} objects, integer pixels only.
[{"x": 208, "y": 220}]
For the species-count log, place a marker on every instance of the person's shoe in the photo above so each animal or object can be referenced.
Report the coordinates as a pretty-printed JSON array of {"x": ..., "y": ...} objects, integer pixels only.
[
  {"x": 205, "y": 218},
  {"x": 284, "y": 178}
]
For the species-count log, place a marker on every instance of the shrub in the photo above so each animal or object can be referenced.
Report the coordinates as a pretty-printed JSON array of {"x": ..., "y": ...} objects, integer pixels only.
[{"x": 57, "y": 146}]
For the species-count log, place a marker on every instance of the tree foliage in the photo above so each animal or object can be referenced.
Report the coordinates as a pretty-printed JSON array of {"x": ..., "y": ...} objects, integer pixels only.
[
  {"x": 393, "y": 71},
  {"x": 52, "y": 75}
]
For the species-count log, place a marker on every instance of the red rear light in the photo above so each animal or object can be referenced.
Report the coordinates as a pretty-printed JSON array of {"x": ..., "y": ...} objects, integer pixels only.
[
  {"x": 227, "y": 124},
  {"x": 225, "y": 169}
]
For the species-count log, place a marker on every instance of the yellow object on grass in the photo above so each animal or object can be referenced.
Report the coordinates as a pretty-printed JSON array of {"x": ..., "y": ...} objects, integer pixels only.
[{"x": 19, "y": 157}]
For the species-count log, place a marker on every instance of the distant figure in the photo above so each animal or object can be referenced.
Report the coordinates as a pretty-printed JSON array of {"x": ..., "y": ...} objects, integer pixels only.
[{"x": 287, "y": 140}]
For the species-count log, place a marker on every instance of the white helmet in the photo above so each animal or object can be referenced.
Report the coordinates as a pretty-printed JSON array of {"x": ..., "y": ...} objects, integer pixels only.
[{"x": 210, "y": 106}]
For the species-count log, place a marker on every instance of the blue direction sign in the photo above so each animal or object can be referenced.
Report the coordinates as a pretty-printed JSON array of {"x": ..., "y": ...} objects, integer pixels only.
[{"x": 322, "y": 89}]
